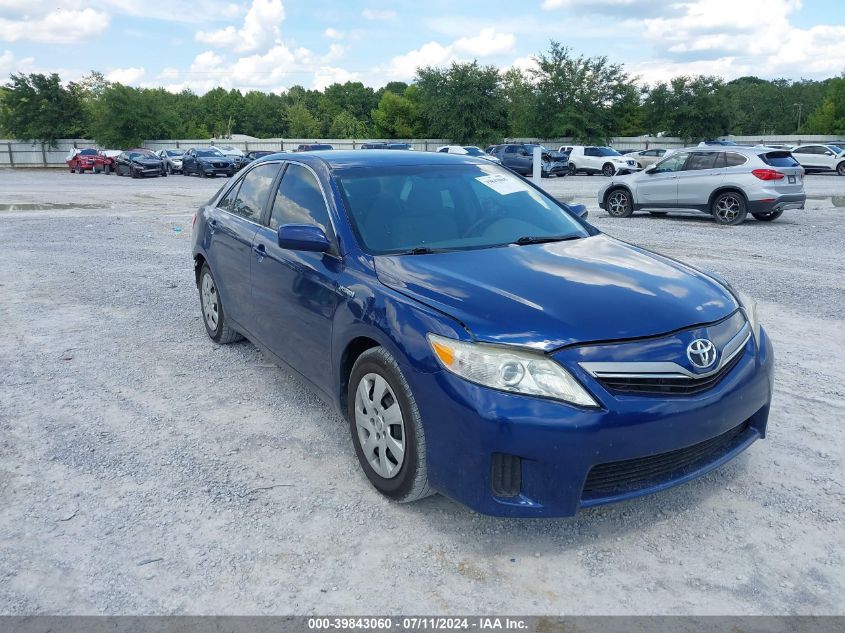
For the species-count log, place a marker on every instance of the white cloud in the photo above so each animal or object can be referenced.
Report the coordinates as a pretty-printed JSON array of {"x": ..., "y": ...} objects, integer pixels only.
[
  {"x": 260, "y": 28},
  {"x": 487, "y": 43},
  {"x": 333, "y": 34},
  {"x": 327, "y": 75},
  {"x": 126, "y": 76},
  {"x": 56, "y": 27},
  {"x": 10, "y": 64},
  {"x": 378, "y": 14},
  {"x": 525, "y": 63}
]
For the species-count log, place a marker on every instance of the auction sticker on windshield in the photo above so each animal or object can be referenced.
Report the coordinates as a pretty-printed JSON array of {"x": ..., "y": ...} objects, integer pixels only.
[{"x": 501, "y": 184}]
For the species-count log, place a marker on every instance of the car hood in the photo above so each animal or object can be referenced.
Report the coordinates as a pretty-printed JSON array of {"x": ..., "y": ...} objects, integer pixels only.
[
  {"x": 147, "y": 162},
  {"x": 547, "y": 296},
  {"x": 213, "y": 159}
]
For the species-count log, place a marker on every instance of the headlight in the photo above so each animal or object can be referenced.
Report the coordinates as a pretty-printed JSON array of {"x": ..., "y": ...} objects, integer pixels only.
[
  {"x": 511, "y": 370},
  {"x": 749, "y": 306}
]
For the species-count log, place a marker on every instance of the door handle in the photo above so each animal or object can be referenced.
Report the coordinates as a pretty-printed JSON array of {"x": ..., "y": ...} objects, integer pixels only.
[
  {"x": 212, "y": 225},
  {"x": 260, "y": 251}
]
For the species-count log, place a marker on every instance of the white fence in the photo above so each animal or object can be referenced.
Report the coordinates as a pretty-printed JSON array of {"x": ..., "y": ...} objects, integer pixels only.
[{"x": 25, "y": 154}]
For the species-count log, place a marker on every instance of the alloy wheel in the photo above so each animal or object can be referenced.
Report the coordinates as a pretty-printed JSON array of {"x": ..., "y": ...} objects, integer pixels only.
[
  {"x": 210, "y": 306},
  {"x": 608, "y": 170},
  {"x": 380, "y": 425},
  {"x": 617, "y": 203},
  {"x": 728, "y": 208}
]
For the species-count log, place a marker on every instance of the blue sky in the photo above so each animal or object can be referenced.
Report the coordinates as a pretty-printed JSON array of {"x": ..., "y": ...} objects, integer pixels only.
[{"x": 273, "y": 44}]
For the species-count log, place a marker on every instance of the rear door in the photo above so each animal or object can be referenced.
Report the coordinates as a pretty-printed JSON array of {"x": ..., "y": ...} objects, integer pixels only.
[
  {"x": 702, "y": 173},
  {"x": 232, "y": 225},
  {"x": 810, "y": 156}
]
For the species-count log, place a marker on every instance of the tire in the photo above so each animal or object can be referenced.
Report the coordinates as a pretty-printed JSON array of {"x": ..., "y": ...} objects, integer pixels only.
[
  {"x": 213, "y": 316},
  {"x": 729, "y": 208},
  {"x": 168, "y": 169},
  {"x": 767, "y": 217},
  {"x": 79, "y": 170},
  {"x": 133, "y": 173},
  {"x": 608, "y": 170},
  {"x": 573, "y": 170},
  {"x": 840, "y": 168},
  {"x": 164, "y": 173},
  {"x": 618, "y": 203},
  {"x": 106, "y": 169},
  {"x": 407, "y": 478}
]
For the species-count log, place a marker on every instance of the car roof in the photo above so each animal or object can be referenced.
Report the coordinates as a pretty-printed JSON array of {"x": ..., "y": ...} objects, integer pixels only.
[{"x": 337, "y": 159}]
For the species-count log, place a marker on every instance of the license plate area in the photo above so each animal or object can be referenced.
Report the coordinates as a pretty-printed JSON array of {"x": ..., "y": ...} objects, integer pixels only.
[{"x": 791, "y": 180}]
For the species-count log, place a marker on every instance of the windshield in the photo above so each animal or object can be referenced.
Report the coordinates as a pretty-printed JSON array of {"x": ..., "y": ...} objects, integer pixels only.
[
  {"x": 174, "y": 152},
  {"x": 607, "y": 151},
  {"x": 209, "y": 152},
  {"x": 455, "y": 207},
  {"x": 141, "y": 155},
  {"x": 88, "y": 152},
  {"x": 474, "y": 151},
  {"x": 836, "y": 148}
]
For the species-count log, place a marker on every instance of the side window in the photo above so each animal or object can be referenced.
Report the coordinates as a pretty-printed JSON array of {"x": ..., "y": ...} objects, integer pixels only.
[
  {"x": 510, "y": 149},
  {"x": 674, "y": 163},
  {"x": 443, "y": 150},
  {"x": 732, "y": 159},
  {"x": 590, "y": 151},
  {"x": 701, "y": 160},
  {"x": 253, "y": 192},
  {"x": 299, "y": 200},
  {"x": 227, "y": 201}
]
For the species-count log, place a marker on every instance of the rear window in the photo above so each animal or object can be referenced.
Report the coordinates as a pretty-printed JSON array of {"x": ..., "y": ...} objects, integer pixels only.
[
  {"x": 734, "y": 160},
  {"x": 779, "y": 159}
]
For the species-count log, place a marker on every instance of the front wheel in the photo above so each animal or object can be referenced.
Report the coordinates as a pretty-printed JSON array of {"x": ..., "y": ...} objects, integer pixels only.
[
  {"x": 608, "y": 170},
  {"x": 619, "y": 204},
  {"x": 572, "y": 169},
  {"x": 729, "y": 209},
  {"x": 840, "y": 168},
  {"x": 767, "y": 217},
  {"x": 387, "y": 431},
  {"x": 106, "y": 169},
  {"x": 212, "y": 310}
]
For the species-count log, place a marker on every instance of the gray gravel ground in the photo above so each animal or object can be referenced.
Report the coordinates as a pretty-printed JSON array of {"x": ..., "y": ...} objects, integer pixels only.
[{"x": 138, "y": 460}]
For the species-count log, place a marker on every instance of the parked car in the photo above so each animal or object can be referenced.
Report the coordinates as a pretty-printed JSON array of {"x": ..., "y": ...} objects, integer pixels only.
[
  {"x": 467, "y": 150},
  {"x": 405, "y": 146},
  {"x": 820, "y": 158},
  {"x": 207, "y": 162},
  {"x": 374, "y": 146},
  {"x": 313, "y": 147},
  {"x": 646, "y": 157},
  {"x": 717, "y": 143},
  {"x": 481, "y": 340},
  {"x": 607, "y": 161},
  {"x": 139, "y": 162},
  {"x": 89, "y": 159},
  {"x": 251, "y": 156},
  {"x": 520, "y": 158},
  {"x": 233, "y": 153},
  {"x": 172, "y": 159},
  {"x": 726, "y": 182}
]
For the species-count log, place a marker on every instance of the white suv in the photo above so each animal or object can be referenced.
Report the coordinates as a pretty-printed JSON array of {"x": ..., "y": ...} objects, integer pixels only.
[
  {"x": 591, "y": 159},
  {"x": 726, "y": 182},
  {"x": 820, "y": 157}
]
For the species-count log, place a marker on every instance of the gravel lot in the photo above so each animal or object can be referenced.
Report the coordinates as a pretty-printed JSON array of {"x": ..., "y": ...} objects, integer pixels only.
[{"x": 138, "y": 460}]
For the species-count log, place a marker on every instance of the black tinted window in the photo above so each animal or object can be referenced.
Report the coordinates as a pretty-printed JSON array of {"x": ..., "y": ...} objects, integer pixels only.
[
  {"x": 299, "y": 200},
  {"x": 510, "y": 149},
  {"x": 734, "y": 160},
  {"x": 701, "y": 160},
  {"x": 253, "y": 192},
  {"x": 779, "y": 159},
  {"x": 227, "y": 201}
]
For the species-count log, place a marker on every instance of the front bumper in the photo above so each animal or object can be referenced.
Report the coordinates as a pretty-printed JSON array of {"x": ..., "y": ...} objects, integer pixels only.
[
  {"x": 779, "y": 203},
  {"x": 468, "y": 427},
  {"x": 224, "y": 169}
]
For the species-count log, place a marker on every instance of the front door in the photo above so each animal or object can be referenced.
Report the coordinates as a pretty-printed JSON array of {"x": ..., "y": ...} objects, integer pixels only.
[
  {"x": 659, "y": 187},
  {"x": 295, "y": 293}
]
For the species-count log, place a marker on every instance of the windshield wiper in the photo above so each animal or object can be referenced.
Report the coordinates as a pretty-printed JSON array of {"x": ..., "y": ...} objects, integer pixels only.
[
  {"x": 422, "y": 250},
  {"x": 541, "y": 239}
]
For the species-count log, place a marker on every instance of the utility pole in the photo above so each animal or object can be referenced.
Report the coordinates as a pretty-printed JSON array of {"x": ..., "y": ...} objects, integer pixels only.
[{"x": 800, "y": 106}]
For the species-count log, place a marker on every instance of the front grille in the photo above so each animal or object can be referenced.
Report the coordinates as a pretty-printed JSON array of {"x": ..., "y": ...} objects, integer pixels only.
[
  {"x": 667, "y": 386},
  {"x": 644, "y": 472},
  {"x": 219, "y": 165},
  {"x": 506, "y": 475}
]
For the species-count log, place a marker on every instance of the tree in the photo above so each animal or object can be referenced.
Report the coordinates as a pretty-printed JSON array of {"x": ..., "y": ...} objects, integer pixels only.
[
  {"x": 692, "y": 108},
  {"x": 301, "y": 123},
  {"x": 576, "y": 95},
  {"x": 463, "y": 103},
  {"x": 37, "y": 107},
  {"x": 345, "y": 125},
  {"x": 829, "y": 117},
  {"x": 520, "y": 104},
  {"x": 397, "y": 116},
  {"x": 126, "y": 117}
]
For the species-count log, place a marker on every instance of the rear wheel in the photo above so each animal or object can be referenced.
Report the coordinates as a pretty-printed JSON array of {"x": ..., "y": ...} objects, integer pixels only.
[
  {"x": 212, "y": 310},
  {"x": 619, "y": 203},
  {"x": 572, "y": 169},
  {"x": 767, "y": 217},
  {"x": 387, "y": 431},
  {"x": 79, "y": 169},
  {"x": 608, "y": 170},
  {"x": 106, "y": 169},
  {"x": 729, "y": 208}
]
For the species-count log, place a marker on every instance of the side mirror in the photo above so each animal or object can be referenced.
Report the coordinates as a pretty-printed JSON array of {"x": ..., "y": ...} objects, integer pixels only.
[
  {"x": 828, "y": 153},
  {"x": 580, "y": 210},
  {"x": 303, "y": 237},
  {"x": 651, "y": 168}
]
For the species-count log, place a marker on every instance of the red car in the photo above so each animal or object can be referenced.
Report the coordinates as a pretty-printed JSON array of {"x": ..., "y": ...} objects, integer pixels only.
[{"x": 90, "y": 159}]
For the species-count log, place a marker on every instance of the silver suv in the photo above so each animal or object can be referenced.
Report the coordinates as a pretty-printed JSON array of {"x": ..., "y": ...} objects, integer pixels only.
[{"x": 726, "y": 182}]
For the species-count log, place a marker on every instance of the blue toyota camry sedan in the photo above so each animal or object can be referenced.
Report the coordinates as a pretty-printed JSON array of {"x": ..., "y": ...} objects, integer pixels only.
[{"x": 482, "y": 339}]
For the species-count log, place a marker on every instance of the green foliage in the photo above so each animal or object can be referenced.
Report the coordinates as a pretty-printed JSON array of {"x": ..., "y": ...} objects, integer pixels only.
[
  {"x": 520, "y": 101},
  {"x": 397, "y": 116},
  {"x": 463, "y": 102},
  {"x": 301, "y": 123},
  {"x": 829, "y": 118},
  {"x": 689, "y": 107},
  {"x": 38, "y": 108},
  {"x": 576, "y": 95},
  {"x": 344, "y": 125}
]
